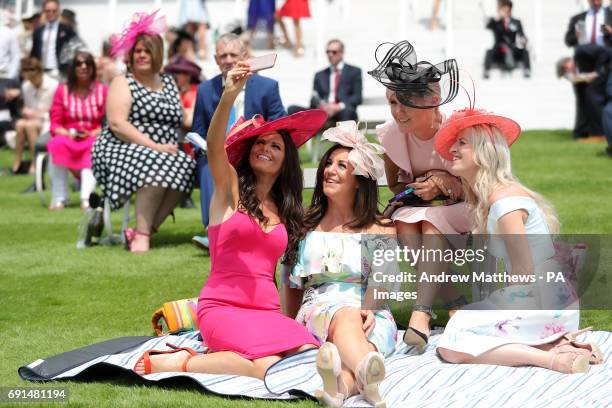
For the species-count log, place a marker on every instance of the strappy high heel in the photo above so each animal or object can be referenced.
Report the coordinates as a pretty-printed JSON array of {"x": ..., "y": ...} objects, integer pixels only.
[
  {"x": 329, "y": 366},
  {"x": 146, "y": 357},
  {"x": 370, "y": 373},
  {"x": 579, "y": 363},
  {"x": 128, "y": 237},
  {"x": 596, "y": 356},
  {"x": 142, "y": 234}
]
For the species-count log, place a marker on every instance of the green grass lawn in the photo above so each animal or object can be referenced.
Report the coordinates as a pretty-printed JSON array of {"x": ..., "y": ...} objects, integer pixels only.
[{"x": 56, "y": 298}]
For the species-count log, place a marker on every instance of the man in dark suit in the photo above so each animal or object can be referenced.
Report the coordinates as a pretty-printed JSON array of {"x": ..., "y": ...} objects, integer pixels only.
[
  {"x": 337, "y": 88},
  {"x": 587, "y": 35},
  {"x": 48, "y": 40},
  {"x": 260, "y": 96},
  {"x": 510, "y": 46}
]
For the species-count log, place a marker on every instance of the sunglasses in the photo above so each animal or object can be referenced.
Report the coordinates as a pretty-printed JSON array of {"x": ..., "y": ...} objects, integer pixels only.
[
  {"x": 49, "y": 11},
  {"x": 79, "y": 63},
  {"x": 332, "y": 52}
]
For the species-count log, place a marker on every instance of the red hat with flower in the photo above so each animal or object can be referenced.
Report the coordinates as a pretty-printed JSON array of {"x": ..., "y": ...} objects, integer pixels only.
[
  {"x": 301, "y": 126},
  {"x": 469, "y": 117}
]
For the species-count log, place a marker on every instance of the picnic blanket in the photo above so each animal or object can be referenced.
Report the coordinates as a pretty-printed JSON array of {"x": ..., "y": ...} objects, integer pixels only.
[{"x": 412, "y": 380}]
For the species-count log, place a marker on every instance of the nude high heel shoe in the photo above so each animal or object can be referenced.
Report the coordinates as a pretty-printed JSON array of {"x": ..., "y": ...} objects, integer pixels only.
[
  {"x": 569, "y": 340},
  {"x": 370, "y": 373},
  {"x": 578, "y": 363},
  {"x": 329, "y": 366}
]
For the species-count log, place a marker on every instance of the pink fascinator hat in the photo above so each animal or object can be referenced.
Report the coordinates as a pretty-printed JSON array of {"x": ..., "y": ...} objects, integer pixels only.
[
  {"x": 301, "y": 126},
  {"x": 364, "y": 155},
  {"x": 142, "y": 23},
  {"x": 469, "y": 117}
]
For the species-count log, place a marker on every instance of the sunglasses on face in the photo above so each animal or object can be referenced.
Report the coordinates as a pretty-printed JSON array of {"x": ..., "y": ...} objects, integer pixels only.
[
  {"x": 51, "y": 11},
  {"x": 332, "y": 52},
  {"x": 79, "y": 63}
]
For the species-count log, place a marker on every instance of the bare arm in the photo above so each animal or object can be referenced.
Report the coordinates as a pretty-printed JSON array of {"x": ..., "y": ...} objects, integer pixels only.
[
  {"x": 118, "y": 105},
  {"x": 225, "y": 179},
  {"x": 391, "y": 171},
  {"x": 291, "y": 300},
  {"x": 512, "y": 226}
]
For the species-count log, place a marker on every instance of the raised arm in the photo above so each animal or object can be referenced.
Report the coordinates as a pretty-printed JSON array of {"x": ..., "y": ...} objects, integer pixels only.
[
  {"x": 118, "y": 105},
  {"x": 223, "y": 173}
]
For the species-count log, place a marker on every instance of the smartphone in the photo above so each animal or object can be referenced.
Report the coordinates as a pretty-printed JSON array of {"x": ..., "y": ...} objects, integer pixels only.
[{"x": 263, "y": 62}]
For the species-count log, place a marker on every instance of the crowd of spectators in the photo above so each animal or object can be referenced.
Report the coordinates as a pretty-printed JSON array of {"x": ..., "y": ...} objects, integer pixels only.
[{"x": 54, "y": 92}]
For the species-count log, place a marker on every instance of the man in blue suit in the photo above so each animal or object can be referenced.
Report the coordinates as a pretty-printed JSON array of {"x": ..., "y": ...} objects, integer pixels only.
[{"x": 260, "y": 96}]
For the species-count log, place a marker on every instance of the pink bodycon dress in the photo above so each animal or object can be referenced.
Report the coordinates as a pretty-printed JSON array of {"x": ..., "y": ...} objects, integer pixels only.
[{"x": 239, "y": 307}]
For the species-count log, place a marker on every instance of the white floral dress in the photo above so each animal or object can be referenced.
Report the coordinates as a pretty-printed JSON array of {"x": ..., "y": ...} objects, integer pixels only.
[
  {"x": 334, "y": 269},
  {"x": 491, "y": 323}
]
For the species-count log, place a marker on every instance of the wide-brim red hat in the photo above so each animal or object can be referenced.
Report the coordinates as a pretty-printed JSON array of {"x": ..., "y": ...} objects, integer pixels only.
[
  {"x": 465, "y": 118},
  {"x": 301, "y": 126}
]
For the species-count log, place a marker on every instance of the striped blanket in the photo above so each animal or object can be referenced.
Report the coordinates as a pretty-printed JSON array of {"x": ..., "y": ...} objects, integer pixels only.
[{"x": 412, "y": 380}]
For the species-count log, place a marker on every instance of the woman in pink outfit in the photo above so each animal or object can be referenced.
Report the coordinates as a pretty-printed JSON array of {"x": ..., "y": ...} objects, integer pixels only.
[
  {"x": 76, "y": 120},
  {"x": 255, "y": 213}
]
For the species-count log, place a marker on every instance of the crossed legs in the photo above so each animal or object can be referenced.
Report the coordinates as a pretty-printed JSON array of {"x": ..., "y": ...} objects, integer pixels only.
[
  {"x": 153, "y": 205},
  {"x": 515, "y": 355},
  {"x": 222, "y": 362}
]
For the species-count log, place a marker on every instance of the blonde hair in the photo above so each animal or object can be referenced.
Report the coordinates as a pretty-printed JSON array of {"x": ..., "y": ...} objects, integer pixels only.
[{"x": 492, "y": 155}]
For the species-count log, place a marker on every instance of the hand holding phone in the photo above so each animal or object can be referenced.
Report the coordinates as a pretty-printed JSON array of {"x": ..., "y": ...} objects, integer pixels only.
[{"x": 263, "y": 62}]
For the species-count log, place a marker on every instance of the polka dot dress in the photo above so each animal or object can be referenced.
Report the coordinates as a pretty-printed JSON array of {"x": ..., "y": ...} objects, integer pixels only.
[{"x": 121, "y": 168}]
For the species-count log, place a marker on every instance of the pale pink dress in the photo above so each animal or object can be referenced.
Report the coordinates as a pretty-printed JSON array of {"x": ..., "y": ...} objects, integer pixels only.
[
  {"x": 83, "y": 114},
  {"x": 415, "y": 157}
]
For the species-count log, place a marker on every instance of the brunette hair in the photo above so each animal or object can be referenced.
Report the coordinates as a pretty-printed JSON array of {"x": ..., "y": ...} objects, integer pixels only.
[
  {"x": 31, "y": 64},
  {"x": 365, "y": 206},
  {"x": 286, "y": 194},
  {"x": 155, "y": 45},
  {"x": 72, "y": 78}
]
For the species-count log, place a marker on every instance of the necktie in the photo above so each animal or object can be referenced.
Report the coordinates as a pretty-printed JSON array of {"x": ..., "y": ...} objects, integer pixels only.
[
  {"x": 594, "y": 29},
  {"x": 337, "y": 84}
]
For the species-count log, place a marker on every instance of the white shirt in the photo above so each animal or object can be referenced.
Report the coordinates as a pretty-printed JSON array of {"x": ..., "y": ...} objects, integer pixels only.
[
  {"x": 49, "y": 38},
  {"x": 41, "y": 98},
  {"x": 332, "y": 82},
  {"x": 588, "y": 25},
  {"x": 9, "y": 53}
]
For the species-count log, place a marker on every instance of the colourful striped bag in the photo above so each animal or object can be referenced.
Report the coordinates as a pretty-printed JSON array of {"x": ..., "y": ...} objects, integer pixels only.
[{"x": 178, "y": 316}]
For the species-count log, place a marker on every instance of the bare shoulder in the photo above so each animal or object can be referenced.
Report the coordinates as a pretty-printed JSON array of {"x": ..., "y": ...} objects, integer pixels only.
[
  {"x": 119, "y": 81},
  {"x": 510, "y": 190}
]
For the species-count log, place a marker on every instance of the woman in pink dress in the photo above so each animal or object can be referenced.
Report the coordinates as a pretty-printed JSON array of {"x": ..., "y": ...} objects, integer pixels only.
[
  {"x": 296, "y": 10},
  {"x": 76, "y": 120},
  {"x": 255, "y": 212},
  {"x": 414, "y": 93}
]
